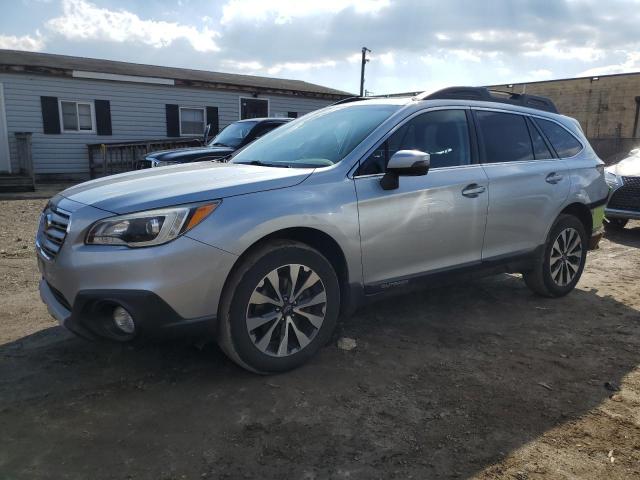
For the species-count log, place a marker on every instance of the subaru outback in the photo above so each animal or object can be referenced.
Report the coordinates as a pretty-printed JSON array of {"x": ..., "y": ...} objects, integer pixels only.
[{"x": 347, "y": 204}]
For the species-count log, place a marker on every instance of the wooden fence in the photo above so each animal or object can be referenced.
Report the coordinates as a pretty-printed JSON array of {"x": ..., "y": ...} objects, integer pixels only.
[{"x": 111, "y": 158}]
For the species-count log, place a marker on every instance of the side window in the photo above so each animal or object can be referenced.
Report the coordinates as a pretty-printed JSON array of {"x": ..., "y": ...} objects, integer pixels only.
[
  {"x": 504, "y": 137},
  {"x": 540, "y": 149},
  {"x": 562, "y": 141},
  {"x": 444, "y": 134},
  {"x": 263, "y": 129}
]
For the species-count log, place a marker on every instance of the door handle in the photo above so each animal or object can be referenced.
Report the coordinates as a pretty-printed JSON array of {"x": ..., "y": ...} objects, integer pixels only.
[
  {"x": 473, "y": 190},
  {"x": 553, "y": 178}
]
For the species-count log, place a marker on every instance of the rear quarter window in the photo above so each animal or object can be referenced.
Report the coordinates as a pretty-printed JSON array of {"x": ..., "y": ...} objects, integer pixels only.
[{"x": 565, "y": 144}]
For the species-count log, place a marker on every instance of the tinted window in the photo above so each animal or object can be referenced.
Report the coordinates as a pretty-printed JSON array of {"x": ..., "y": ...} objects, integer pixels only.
[
  {"x": 540, "y": 149},
  {"x": 232, "y": 135},
  {"x": 443, "y": 134},
  {"x": 264, "y": 128},
  {"x": 563, "y": 142},
  {"x": 504, "y": 137}
]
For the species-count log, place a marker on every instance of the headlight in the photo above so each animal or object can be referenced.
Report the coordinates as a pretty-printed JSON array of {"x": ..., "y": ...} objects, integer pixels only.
[
  {"x": 612, "y": 179},
  {"x": 153, "y": 227}
]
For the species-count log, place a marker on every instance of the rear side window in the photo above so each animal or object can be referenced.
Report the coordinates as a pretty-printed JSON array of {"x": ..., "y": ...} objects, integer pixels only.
[
  {"x": 562, "y": 141},
  {"x": 540, "y": 149},
  {"x": 504, "y": 137}
]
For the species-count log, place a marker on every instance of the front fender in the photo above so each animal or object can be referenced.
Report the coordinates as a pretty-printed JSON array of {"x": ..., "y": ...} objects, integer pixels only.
[{"x": 328, "y": 206}]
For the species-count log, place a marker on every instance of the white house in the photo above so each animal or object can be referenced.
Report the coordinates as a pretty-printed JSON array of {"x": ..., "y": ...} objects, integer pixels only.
[{"x": 53, "y": 106}]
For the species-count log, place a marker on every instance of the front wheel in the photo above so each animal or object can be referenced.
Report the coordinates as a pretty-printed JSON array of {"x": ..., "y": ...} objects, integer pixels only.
[
  {"x": 280, "y": 306},
  {"x": 559, "y": 267}
]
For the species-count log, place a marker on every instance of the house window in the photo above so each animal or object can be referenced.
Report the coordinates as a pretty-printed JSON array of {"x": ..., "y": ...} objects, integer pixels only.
[
  {"x": 192, "y": 121},
  {"x": 253, "y": 107},
  {"x": 76, "y": 116}
]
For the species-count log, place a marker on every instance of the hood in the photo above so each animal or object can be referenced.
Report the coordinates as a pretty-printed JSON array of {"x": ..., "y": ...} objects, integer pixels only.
[
  {"x": 190, "y": 154},
  {"x": 629, "y": 167},
  {"x": 175, "y": 185}
]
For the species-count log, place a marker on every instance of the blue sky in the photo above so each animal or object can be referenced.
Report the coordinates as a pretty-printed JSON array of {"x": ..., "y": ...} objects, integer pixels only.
[{"x": 416, "y": 44}]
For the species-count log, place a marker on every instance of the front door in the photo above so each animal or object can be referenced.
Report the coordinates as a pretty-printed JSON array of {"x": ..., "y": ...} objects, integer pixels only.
[
  {"x": 253, "y": 108},
  {"x": 528, "y": 184},
  {"x": 428, "y": 223},
  {"x": 5, "y": 161}
]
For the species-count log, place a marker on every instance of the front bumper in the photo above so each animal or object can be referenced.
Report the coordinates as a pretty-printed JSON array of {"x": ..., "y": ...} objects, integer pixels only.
[
  {"x": 167, "y": 288},
  {"x": 90, "y": 316},
  {"x": 626, "y": 214}
]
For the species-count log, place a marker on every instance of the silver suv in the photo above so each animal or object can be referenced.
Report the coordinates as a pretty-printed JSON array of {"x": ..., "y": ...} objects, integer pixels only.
[{"x": 344, "y": 205}]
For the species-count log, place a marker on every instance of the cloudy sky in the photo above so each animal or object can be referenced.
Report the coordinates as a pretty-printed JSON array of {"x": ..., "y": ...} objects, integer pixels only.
[{"x": 416, "y": 44}]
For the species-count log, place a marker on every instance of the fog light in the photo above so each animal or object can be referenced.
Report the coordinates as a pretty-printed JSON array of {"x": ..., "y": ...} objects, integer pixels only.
[{"x": 123, "y": 320}]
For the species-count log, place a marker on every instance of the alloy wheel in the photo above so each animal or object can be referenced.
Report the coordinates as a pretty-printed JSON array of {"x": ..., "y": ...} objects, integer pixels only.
[
  {"x": 566, "y": 257},
  {"x": 286, "y": 310}
]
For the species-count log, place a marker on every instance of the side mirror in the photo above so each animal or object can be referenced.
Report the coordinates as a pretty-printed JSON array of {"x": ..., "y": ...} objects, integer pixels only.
[
  {"x": 205, "y": 135},
  {"x": 410, "y": 163}
]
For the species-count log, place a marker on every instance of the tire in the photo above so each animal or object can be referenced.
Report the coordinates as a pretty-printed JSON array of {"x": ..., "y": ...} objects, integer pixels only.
[
  {"x": 615, "y": 223},
  {"x": 558, "y": 276},
  {"x": 263, "y": 330}
]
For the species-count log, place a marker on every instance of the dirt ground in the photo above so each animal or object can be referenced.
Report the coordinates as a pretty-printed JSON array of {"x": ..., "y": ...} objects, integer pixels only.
[{"x": 480, "y": 380}]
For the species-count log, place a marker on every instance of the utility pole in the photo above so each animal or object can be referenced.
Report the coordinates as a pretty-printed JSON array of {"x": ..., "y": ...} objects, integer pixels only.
[{"x": 364, "y": 61}]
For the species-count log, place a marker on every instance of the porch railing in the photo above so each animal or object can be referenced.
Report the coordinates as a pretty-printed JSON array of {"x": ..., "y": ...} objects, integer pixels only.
[{"x": 111, "y": 158}]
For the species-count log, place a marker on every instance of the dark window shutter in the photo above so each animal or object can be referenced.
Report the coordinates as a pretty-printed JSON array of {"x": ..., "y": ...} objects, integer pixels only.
[
  {"x": 292, "y": 114},
  {"x": 103, "y": 117},
  {"x": 173, "y": 121},
  {"x": 50, "y": 115},
  {"x": 212, "y": 119}
]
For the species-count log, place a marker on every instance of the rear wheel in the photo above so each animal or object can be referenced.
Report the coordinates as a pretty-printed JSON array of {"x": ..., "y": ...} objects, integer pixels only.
[
  {"x": 281, "y": 305},
  {"x": 615, "y": 223},
  {"x": 559, "y": 267}
]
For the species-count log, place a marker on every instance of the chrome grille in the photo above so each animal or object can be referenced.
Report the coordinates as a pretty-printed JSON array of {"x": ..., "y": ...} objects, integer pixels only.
[
  {"x": 627, "y": 197},
  {"x": 54, "y": 224}
]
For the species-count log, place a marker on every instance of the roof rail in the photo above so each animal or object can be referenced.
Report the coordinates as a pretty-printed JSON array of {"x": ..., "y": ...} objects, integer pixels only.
[
  {"x": 349, "y": 100},
  {"x": 485, "y": 95}
]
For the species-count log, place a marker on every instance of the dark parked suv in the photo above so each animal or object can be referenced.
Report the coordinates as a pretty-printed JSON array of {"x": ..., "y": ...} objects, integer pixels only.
[{"x": 235, "y": 136}]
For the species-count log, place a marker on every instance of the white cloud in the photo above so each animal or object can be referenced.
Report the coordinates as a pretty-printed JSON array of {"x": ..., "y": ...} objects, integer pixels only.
[
  {"x": 242, "y": 66},
  {"x": 541, "y": 74},
  {"x": 554, "y": 49},
  {"x": 299, "y": 66},
  {"x": 466, "y": 55},
  {"x": 25, "y": 42},
  {"x": 82, "y": 20},
  {"x": 284, "y": 11},
  {"x": 387, "y": 59},
  {"x": 257, "y": 68},
  {"x": 631, "y": 64}
]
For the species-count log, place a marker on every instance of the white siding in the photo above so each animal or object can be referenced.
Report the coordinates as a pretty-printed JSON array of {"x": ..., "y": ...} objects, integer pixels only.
[{"x": 137, "y": 113}]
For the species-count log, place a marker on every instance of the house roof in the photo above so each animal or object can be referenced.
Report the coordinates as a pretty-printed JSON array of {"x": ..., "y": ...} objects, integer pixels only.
[{"x": 45, "y": 63}]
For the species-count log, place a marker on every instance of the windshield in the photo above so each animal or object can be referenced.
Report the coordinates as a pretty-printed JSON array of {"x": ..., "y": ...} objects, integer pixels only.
[
  {"x": 232, "y": 135},
  {"x": 316, "y": 140}
]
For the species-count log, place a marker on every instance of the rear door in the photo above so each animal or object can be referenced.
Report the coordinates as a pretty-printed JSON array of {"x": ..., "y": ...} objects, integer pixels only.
[
  {"x": 528, "y": 183},
  {"x": 430, "y": 222}
]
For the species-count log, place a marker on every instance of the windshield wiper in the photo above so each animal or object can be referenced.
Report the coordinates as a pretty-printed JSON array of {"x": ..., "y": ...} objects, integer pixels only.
[
  {"x": 218, "y": 144},
  {"x": 263, "y": 164}
]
